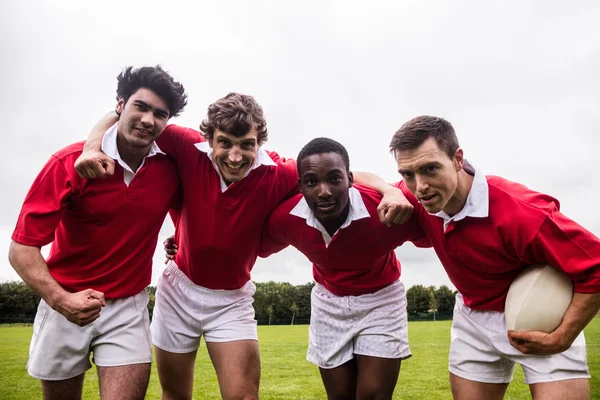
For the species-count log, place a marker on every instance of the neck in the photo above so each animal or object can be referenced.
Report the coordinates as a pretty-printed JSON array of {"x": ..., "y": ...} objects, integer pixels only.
[
  {"x": 332, "y": 225},
  {"x": 459, "y": 199},
  {"x": 131, "y": 155}
]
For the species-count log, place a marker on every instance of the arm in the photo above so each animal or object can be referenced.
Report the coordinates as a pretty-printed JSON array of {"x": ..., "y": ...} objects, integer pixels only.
[
  {"x": 566, "y": 245},
  {"x": 270, "y": 243},
  {"x": 93, "y": 163},
  {"x": 583, "y": 308},
  {"x": 394, "y": 207},
  {"x": 80, "y": 308}
]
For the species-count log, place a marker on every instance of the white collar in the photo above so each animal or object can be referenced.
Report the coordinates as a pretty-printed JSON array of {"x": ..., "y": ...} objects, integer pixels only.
[
  {"x": 109, "y": 147},
  {"x": 478, "y": 200},
  {"x": 357, "y": 211},
  {"x": 262, "y": 158}
]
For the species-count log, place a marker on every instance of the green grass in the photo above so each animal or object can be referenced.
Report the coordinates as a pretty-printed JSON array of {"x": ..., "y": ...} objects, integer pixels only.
[{"x": 285, "y": 372}]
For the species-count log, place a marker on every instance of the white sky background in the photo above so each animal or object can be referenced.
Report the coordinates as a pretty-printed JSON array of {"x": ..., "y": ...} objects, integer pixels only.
[{"x": 519, "y": 80}]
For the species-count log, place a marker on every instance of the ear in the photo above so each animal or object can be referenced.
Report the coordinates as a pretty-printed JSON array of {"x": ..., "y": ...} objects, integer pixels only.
[
  {"x": 120, "y": 106},
  {"x": 459, "y": 159},
  {"x": 350, "y": 179}
]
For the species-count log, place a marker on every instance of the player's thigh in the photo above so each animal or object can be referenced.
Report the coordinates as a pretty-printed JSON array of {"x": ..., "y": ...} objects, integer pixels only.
[
  {"x": 176, "y": 373},
  {"x": 572, "y": 389},
  {"x": 237, "y": 365},
  {"x": 67, "y": 389},
  {"x": 340, "y": 382},
  {"x": 465, "y": 389},
  {"x": 376, "y": 377},
  {"x": 125, "y": 382}
]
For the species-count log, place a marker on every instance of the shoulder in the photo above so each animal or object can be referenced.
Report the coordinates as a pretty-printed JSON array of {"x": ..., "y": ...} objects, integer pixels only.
[
  {"x": 369, "y": 195},
  {"x": 505, "y": 193},
  {"x": 71, "y": 151},
  {"x": 285, "y": 207}
]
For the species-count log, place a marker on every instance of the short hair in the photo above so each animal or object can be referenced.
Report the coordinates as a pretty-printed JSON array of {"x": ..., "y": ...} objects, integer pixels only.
[
  {"x": 235, "y": 114},
  {"x": 156, "y": 79},
  {"x": 416, "y": 131},
  {"x": 320, "y": 146}
]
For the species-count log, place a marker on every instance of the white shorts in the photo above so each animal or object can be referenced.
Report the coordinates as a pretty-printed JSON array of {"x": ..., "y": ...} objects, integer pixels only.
[
  {"x": 120, "y": 336},
  {"x": 183, "y": 312},
  {"x": 372, "y": 324},
  {"x": 480, "y": 351}
]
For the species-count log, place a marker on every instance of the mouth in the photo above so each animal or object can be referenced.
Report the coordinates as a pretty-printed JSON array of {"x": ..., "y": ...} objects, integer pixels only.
[
  {"x": 234, "y": 168},
  {"x": 325, "y": 207},
  {"x": 145, "y": 132},
  {"x": 428, "y": 199}
]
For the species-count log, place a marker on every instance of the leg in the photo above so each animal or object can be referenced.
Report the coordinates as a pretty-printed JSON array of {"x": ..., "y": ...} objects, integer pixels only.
[
  {"x": 176, "y": 373},
  {"x": 127, "y": 382},
  {"x": 68, "y": 389},
  {"x": 237, "y": 365},
  {"x": 572, "y": 389},
  {"x": 376, "y": 377},
  {"x": 464, "y": 389},
  {"x": 340, "y": 382}
]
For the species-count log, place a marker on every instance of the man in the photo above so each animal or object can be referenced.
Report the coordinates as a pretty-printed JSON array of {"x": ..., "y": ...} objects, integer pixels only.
[
  {"x": 358, "y": 332},
  {"x": 104, "y": 233},
  {"x": 485, "y": 230},
  {"x": 231, "y": 185}
]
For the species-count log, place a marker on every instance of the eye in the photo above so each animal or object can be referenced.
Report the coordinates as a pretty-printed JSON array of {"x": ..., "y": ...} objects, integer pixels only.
[
  {"x": 161, "y": 115},
  {"x": 248, "y": 146},
  {"x": 432, "y": 169},
  {"x": 224, "y": 143},
  {"x": 141, "y": 106},
  {"x": 310, "y": 182},
  {"x": 336, "y": 179},
  {"x": 407, "y": 176}
]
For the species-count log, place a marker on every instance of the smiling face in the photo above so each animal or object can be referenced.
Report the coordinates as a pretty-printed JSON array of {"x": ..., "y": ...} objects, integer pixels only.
[
  {"x": 432, "y": 176},
  {"x": 143, "y": 118},
  {"x": 234, "y": 155},
  {"x": 324, "y": 183}
]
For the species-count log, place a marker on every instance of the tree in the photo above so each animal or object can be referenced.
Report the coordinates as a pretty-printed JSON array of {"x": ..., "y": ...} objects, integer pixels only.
[
  {"x": 270, "y": 312},
  {"x": 445, "y": 299},
  {"x": 417, "y": 299},
  {"x": 294, "y": 309}
]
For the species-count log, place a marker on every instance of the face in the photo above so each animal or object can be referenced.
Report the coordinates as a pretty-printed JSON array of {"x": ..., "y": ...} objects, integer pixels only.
[
  {"x": 234, "y": 155},
  {"x": 324, "y": 183},
  {"x": 143, "y": 118},
  {"x": 431, "y": 175}
]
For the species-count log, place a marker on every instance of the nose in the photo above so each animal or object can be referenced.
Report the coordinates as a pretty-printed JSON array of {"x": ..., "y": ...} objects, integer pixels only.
[
  {"x": 235, "y": 155},
  {"x": 148, "y": 119},
  {"x": 422, "y": 184},
  {"x": 324, "y": 191}
]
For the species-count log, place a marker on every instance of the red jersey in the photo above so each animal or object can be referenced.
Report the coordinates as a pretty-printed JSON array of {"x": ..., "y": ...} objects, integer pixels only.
[
  {"x": 218, "y": 232},
  {"x": 104, "y": 232},
  {"x": 360, "y": 256},
  {"x": 483, "y": 255}
]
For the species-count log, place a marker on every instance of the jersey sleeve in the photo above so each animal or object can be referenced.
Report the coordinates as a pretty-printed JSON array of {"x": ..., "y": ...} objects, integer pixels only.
[
  {"x": 566, "y": 245},
  {"x": 271, "y": 241},
  {"x": 44, "y": 205},
  {"x": 177, "y": 140},
  {"x": 287, "y": 178}
]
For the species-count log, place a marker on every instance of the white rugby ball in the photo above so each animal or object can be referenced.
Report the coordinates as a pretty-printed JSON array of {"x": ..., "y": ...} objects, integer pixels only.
[{"x": 538, "y": 299}]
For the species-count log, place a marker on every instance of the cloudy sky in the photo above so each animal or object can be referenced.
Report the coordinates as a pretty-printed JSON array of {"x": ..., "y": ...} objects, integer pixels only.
[{"x": 518, "y": 79}]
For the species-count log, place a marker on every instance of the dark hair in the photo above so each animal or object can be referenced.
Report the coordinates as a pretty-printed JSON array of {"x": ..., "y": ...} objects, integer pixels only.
[
  {"x": 416, "y": 131},
  {"x": 323, "y": 145},
  {"x": 235, "y": 114},
  {"x": 155, "y": 79}
]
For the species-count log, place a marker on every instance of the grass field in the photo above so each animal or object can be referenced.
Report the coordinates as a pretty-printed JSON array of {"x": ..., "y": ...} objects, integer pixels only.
[{"x": 285, "y": 372}]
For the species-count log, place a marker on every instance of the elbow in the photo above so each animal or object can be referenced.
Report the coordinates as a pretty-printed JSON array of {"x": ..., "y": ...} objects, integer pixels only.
[{"x": 14, "y": 254}]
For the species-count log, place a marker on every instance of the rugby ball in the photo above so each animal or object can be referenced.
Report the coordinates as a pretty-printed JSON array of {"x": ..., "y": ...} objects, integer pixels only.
[{"x": 538, "y": 299}]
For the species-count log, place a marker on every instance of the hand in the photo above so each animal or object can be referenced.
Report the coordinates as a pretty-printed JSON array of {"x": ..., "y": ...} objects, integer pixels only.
[
  {"x": 93, "y": 164},
  {"x": 394, "y": 208},
  {"x": 81, "y": 308},
  {"x": 170, "y": 249},
  {"x": 539, "y": 343}
]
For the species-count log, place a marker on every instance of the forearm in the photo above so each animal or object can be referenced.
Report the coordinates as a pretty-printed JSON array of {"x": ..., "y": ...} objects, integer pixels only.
[
  {"x": 581, "y": 311},
  {"x": 31, "y": 267},
  {"x": 373, "y": 181},
  {"x": 94, "y": 140}
]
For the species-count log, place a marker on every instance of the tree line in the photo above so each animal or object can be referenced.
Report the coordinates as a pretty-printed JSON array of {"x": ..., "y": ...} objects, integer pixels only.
[{"x": 274, "y": 302}]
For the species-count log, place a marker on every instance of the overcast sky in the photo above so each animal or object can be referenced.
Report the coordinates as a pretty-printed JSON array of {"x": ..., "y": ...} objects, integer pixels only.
[{"x": 519, "y": 80}]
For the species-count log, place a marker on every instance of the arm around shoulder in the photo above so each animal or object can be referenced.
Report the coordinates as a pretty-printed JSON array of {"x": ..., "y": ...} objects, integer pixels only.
[{"x": 93, "y": 163}]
